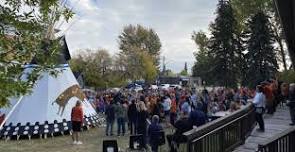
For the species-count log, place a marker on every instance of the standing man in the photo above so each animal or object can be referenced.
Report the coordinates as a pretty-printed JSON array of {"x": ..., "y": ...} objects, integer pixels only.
[
  {"x": 291, "y": 103},
  {"x": 259, "y": 103},
  {"x": 121, "y": 114},
  {"x": 110, "y": 118},
  {"x": 77, "y": 120},
  {"x": 132, "y": 117}
]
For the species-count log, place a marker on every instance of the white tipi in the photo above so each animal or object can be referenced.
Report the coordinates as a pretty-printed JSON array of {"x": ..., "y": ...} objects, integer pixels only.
[{"x": 47, "y": 110}]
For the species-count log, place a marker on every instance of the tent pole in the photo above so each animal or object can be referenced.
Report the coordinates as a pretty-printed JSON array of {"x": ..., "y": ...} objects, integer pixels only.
[{"x": 10, "y": 112}]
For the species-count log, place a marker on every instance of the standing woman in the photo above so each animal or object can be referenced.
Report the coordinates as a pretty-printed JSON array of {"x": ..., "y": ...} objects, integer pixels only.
[
  {"x": 142, "y": 122},
  {"x": 77, "y": 120}
]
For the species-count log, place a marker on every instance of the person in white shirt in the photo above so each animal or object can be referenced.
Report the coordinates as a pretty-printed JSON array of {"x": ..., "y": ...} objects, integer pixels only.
[
  {"x": 259, "y": 103},
  {"x": 194, "y": 99},
  {"x": 166, "y": 107}
]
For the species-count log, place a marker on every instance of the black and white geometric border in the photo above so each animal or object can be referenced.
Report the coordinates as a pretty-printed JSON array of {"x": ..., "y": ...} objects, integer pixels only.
[{"x": 45, "y": 129}]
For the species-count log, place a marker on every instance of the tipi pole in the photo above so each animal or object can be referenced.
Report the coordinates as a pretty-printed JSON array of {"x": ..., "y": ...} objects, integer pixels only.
[
  {"x": 11, "y": 111},
  {"x": 74, "y": 5}
]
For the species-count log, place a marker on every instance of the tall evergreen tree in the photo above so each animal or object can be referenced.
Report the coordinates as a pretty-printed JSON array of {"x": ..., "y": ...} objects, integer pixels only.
[
  {"x": 185, "y": 67},
  {"x": 201, "y": 67},
  {"x": 261, "y": 56},
  {"x": 184, "y": 72},
  {"x": 225, "y": 47}
]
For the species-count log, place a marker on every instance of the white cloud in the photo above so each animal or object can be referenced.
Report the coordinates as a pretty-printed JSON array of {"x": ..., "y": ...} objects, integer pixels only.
[{"x": 99, "y": 23}]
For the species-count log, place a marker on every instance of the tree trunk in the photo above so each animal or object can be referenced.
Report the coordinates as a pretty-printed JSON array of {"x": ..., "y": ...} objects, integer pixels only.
[
  {"x": 292, "y": 56},
  {"x": 282, "y": 52}
]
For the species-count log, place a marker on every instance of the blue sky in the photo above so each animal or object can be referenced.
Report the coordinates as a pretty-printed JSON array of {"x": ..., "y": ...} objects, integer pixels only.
[{"x": 98, "y": 23}]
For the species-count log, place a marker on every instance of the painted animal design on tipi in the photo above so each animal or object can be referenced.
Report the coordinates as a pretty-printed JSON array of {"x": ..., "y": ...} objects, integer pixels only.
[{"x": 63, "y": 99}]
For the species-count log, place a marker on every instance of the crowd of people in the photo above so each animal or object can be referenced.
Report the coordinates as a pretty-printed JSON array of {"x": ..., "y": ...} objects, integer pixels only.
[
  {"x": 270, "y": 94},
  {"x": 181, "y": 108},
  {"x": 184, "y": 108}
]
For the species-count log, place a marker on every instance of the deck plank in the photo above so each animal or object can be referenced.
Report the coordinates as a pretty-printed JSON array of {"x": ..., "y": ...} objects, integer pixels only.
[{"x": 274, "y": 124}]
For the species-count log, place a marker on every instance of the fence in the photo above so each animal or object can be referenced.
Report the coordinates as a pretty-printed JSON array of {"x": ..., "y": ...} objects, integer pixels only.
[
  {"x": 223, "y": 134},
  {"x": 283, "y": 142}
]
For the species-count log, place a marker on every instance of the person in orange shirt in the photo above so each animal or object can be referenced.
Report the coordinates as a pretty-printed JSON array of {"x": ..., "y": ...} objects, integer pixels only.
[
  {"x": 77, "y": 120},
  {"x": 267, "y": 90},
  {"x": 173, "y": 111}
]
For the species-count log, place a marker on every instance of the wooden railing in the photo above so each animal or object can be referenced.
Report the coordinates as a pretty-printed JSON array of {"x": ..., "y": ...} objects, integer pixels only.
[
  {"x": 223, "y": 134},
  {"x": 283, "y": 142}
]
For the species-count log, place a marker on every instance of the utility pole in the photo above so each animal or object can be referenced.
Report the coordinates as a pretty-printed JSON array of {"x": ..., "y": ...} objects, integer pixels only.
[{"x": 164, "y": 66}]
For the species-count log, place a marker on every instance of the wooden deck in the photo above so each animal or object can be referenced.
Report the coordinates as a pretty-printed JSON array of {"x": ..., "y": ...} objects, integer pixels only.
[{"x": 274, "y": 124}]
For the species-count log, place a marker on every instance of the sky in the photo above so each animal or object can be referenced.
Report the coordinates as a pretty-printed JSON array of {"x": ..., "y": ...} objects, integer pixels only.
[{"x": 98, "y": 23}]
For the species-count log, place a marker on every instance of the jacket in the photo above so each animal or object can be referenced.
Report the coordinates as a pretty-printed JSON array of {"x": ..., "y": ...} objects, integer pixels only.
[
  {"x": 154, "y": 133},
  {"x": 197, "y": 118},
  {"x": 132, "y": 112},
  {"x": 110, "y": 112}
]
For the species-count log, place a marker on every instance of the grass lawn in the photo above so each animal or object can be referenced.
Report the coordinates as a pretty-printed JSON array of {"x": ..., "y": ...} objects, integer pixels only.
[{"x": 92, "y": 142}]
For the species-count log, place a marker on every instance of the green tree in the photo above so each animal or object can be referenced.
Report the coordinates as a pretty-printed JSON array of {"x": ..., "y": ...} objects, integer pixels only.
[
  {"x": 184, "y": 72},
  {"x": 137, "y": 64},
  {"x": 77, "y": 63},
  {"x": 245, "y": 9},
  {"x": 26, "y": 26},
  {"x": 261, "y": 59},
  {"x": 141, "y": 39},
  {"x": 287, "y": 76},
  {"x": 149, "y": 68},
  {"x": 202, "y": 65},
  {"x": 224, "y": 47},
  {"x": 96, "y": 66}
]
